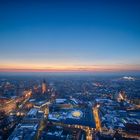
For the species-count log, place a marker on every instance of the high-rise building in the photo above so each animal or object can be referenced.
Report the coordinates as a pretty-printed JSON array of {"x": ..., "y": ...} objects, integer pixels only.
[{"x": 44, "y": 87}]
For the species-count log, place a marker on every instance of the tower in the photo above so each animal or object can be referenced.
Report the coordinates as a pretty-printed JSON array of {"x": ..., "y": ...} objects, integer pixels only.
[{"x": 44, "y": 87}]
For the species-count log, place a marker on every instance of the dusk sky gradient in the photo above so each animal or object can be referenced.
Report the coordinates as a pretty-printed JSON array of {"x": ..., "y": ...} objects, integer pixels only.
[{"x": 70, "y": 35}]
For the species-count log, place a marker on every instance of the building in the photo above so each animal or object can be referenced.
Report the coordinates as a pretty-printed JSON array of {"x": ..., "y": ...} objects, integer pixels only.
[
  {"x": 29, "y": 126},
  {"x": 44, "y": 87},
  {"x": 122, "y": 96}
]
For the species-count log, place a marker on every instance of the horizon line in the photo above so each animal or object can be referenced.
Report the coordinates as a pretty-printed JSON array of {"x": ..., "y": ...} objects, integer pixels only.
[{"x": 84, "y": 70}]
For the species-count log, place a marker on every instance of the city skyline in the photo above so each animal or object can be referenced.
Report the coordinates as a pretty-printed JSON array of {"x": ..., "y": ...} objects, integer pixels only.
[{"x": 70, "y": 36}]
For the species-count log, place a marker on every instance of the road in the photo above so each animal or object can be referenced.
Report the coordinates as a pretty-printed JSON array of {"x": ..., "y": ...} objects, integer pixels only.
[
  {"x": 89, "y": 131},
  {"x": 97, "y": 119},
  {"x": 8, "y": 106},
  {"x": 11, "y": 105}
]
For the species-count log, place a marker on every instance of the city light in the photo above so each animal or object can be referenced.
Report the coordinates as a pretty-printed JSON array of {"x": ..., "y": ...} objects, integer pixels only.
[{"x": 69, "y": 70}]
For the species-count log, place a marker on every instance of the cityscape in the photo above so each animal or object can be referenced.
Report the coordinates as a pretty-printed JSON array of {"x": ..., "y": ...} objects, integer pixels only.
[
  {"x": 69, "y": 70},
  {"x": 69, "y": 108}
]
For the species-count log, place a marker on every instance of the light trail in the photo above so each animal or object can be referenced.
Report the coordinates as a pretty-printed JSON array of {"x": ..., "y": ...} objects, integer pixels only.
[{"x": 97, "y": 118}]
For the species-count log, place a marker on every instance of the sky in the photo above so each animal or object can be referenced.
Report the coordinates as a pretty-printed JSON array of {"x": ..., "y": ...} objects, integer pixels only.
[{"x": 69, "y": 35}]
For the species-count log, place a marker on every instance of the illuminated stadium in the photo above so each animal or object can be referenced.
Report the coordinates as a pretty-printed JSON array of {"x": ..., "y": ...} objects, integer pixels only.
[{"x": 77, "y": 114}]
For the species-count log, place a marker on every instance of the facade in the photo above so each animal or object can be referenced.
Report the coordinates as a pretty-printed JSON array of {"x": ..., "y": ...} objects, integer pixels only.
[{"x": 44, "y": 87}]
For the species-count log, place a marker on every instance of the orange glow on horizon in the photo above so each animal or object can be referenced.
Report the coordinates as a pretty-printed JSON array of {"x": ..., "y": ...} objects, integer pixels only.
[{"x": 69, "y": 68}]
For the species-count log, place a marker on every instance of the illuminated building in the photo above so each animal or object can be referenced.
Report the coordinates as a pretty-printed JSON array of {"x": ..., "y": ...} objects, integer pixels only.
[
  {"x": 122, "y": 96},
  {"x": 46, "y": 112},
  {"x": 44, "y": 87}
]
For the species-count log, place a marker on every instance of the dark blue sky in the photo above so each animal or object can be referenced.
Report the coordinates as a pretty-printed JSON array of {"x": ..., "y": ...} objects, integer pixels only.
[{"x": 70, "y": 33}]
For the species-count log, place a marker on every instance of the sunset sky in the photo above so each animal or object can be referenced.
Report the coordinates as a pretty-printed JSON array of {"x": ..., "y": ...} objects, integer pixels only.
[{"x": 69, "y": 35}]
